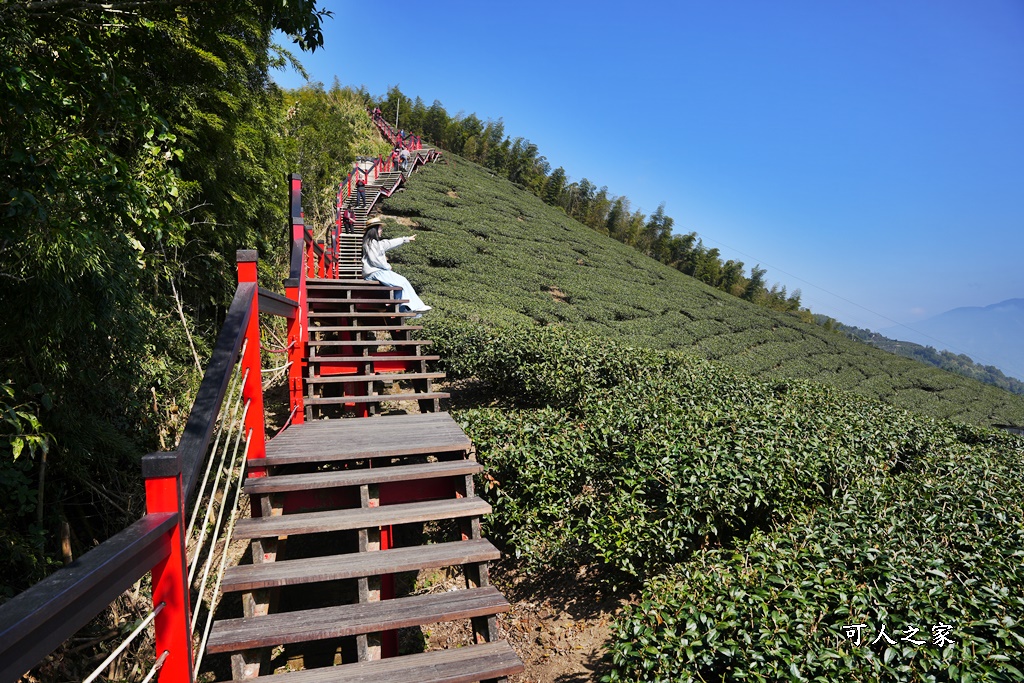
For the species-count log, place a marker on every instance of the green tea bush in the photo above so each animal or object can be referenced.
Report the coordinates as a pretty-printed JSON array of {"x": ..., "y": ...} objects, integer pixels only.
[
  {"x": 765, "y": 517},
  {"x": 942, "y": 544},
  {"x": 639, "y": 457}
]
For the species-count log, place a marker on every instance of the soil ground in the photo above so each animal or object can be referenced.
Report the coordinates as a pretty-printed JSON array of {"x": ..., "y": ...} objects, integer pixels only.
[{"x": 558, "y": 624}]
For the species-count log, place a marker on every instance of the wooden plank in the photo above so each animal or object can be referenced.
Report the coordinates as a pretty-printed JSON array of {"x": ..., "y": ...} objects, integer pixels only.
[
  {"x": 350, "y": 439},
  {"x": 360, "y": 518},
  {"x": 358, "y": 477},
  {"x": 374, "y": 398},
  {"x": 373, "y": 342},
  {"x": 356, "y": 565},
  {"x": 481, "y": 662},
  {"x": 276, "y": 304},
  {"x": 313, "y": 315},
  {"x": 363, "y": 328},
  {"x": 369, "y": 358},
  {"x": 332, "y": 300},
  {"x": 348, "y": 285},
  {"x": 378, "y": 377},
  {"x": 35, "y": 622},
  {"x": 349, "y": 620}
]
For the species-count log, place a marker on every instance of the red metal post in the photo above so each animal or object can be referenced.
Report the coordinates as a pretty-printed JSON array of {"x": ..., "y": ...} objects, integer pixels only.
[
  {"x": 252, "y": 390},
  {"x": 170, "y": 585}
]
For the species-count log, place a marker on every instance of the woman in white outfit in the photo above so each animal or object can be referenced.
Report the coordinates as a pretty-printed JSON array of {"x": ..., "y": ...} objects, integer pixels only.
[{"x": 376, "y": 266}]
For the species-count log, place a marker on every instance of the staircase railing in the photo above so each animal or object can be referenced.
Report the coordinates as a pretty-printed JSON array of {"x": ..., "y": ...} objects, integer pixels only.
[{"x": 37, "y": 621}]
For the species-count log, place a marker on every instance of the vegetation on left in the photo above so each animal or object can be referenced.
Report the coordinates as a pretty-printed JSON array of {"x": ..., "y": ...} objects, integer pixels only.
[{"x": 141, "y": 143}]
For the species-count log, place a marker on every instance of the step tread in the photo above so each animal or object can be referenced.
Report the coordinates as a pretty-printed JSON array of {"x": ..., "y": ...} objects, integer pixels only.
[
  {"x": 359, "y": 438},
  {"x": 370, "y": 358},
  {"x": 248, "y": 577},
  {"x": 370, "y": 342},
  {"x": 374, "y": 398},
  {"x": 360, "y": 518},
  {"x": 382, "y": 300},
  {"x": 378, "y": 377},
  {"x": 481, "y": 662},
  {"x": 232, "y": 635},
  {"x": 313, "y": 315},
  {"x": 331, "y": 283},
  {"x": 358, "y": 477},
  {"x": 364, "y": 328}
]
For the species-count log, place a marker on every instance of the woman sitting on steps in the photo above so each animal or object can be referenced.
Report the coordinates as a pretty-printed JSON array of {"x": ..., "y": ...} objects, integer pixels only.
[{"x": 376, "y": 266}]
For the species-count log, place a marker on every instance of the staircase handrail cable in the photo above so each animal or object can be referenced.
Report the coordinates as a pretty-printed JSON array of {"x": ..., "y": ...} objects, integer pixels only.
[
  {"x": 213, "y": 451},
  {"x": 235, "y": 423},
  {"x": 217, "y": 525},
  {"x": 127, "y": 641},
  {"x": 214, "y": 599}
]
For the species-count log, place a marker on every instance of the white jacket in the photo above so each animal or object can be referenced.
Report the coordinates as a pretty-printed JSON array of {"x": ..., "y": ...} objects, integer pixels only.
[{"x": 373, "y": 256}]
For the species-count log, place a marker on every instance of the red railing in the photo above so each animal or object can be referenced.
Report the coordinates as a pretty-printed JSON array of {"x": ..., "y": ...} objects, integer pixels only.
[{"x": 37, "y": 621}]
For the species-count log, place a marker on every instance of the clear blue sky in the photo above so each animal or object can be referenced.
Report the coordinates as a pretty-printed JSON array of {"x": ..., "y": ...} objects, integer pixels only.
[{"x": 868, "y": 152}]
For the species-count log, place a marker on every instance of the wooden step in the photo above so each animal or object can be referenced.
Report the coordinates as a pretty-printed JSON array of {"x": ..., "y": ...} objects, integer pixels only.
[
  {"x": 358, "y": 477},
  {"x": 341, "y": 284},
  {"x": 313, "y": 315},
  {"x": 382, "y": 300},
  {"x": 378, "y": 377},
  {"x": 249, "y": 577},
  {"x": 367, "y": 359},
  {"x": 360, "y": 518},
  {"x": 370, "y": 342},
  {"x": 368, "y": 437},
  {"x": 364, "y": 328},
  {"x": 481, "y": 662},
  {"x": 341, "y": 281},
  {"x": 232, "y": 635},
  {"x": 374, "y": 398}
]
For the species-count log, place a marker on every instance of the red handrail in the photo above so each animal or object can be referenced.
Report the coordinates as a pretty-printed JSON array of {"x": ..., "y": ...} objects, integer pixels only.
[{"x": 38, "y": 620}]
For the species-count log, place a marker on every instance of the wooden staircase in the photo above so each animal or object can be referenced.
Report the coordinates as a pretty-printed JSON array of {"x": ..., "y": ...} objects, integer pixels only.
[
  {"x": 350, "y": 247},
  {"x": 352, "y": 495},
  {"x": 359, "y": 345}
]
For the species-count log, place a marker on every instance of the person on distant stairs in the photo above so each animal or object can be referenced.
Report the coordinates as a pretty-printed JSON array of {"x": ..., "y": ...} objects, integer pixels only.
[
  {"x": 348, "y": 221},
  {"x": 376, "y": 266},
  {"x": 360, "y": 192}
]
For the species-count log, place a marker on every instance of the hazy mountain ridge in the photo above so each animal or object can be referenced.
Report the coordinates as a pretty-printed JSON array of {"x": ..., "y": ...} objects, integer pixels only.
[
  {"x": 960, "y": 364},
  {"x": 991, "y": 335}
]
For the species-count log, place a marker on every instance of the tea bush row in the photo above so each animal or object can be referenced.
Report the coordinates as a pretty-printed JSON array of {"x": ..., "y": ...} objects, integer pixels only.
[
  {"x": 764, "y": 515},
  {"x": 942, "y": 544},
  {"x": 637, "y": 457}
]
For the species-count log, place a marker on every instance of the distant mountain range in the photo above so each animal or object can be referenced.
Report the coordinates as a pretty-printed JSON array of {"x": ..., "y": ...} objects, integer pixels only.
[{"x": 990, "y": 335}]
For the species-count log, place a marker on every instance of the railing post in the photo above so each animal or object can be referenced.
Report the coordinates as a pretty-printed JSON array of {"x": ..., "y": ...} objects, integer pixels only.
[
  {"x": 296, "y": 291},
  {"x": 172, "y": 626},
  {"x": 252, "y": 390}
]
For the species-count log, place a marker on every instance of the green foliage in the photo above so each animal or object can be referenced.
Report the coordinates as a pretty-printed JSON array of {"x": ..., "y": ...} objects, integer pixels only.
[
  {"x": 762, "y": 516},
  {"x": 138, "y": 150},
  {"x": 318, "y": 142},
  {"x": 941, "y": 544},
  {"x": 23, "y": 446}
]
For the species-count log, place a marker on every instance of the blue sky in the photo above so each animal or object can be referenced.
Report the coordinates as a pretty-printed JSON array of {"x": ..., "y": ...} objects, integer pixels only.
[{"x": 868, "y": 152}]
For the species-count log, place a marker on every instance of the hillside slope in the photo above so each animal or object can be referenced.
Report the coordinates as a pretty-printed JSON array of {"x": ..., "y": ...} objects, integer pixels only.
[{"x": 492, "y": 252}]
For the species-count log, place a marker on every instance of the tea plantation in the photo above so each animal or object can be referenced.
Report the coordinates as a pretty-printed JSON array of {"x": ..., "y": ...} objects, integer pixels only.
[
  {"x": 495, "y": 253},
  {"x": 707, "y": 454}
]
